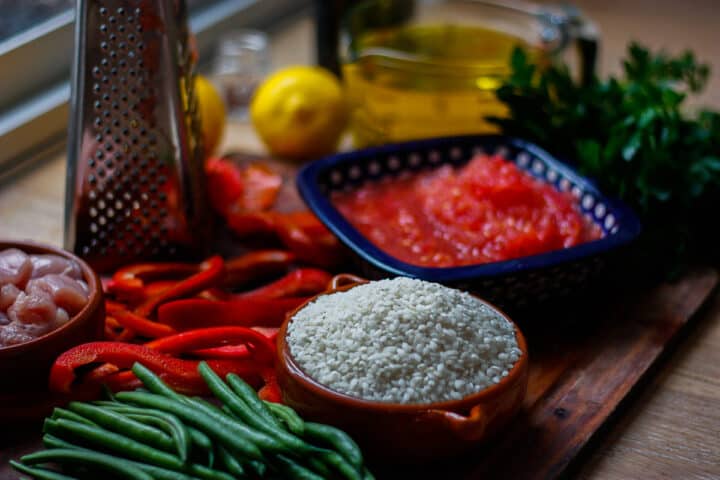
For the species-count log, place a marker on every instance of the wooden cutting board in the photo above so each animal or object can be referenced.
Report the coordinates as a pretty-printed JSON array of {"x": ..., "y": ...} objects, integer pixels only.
[{"x": 584, "y": 361}]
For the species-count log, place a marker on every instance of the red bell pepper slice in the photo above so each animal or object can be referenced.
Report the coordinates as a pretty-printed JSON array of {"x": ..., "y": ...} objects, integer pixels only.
[
  {"x": 141, "y": 325},
  {"x": 250, "y": 187},
  {"x": 254, "y": 265},
  {"x": 298, "y": 283},
  {"x": 236, "y": 351},
  {"x": 248, "y": 312},
  {"x": 210, "y": 275},
  {"x": 261, "y": 348},
  {"x": 177, "y": 372},
  {"x": 129, "y": 282},
  {"x": 270, "y": 392}
]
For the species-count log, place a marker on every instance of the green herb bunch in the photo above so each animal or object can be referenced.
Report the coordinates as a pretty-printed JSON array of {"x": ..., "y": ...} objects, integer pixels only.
[{"x": 633, "y": 137}]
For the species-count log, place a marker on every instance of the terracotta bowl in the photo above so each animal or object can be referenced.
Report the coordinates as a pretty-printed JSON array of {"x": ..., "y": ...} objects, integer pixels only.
[
  {"x": 24, "y": 367},
  {"x": 397, "y": 433}
]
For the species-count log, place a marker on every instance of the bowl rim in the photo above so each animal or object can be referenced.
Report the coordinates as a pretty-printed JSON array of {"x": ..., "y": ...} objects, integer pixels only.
[
  {"x": 287, "y": 362},
  {"x": 93, "y": 281},
  {"x": 320, "y": 204}
]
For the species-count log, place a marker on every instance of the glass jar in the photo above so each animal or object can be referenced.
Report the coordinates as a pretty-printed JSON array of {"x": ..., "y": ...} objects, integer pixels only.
[{"x": 427, "y": 68}]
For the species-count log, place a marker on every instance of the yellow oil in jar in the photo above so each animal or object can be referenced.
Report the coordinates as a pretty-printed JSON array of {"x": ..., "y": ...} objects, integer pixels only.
[{"x": 424, "y": 81}]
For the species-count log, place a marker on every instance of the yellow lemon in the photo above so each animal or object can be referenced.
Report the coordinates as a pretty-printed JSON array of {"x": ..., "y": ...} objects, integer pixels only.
[
  {"x": 299, "y": 112},
  {"x": 211, "y": 110}
]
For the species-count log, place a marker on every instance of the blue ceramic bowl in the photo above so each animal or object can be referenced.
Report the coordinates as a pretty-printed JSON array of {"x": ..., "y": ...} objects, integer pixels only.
[{"x": 508, "y": 283}]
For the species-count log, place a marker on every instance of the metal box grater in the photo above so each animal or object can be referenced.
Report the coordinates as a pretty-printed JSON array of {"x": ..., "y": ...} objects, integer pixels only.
[{"x": 135, "y": 185}]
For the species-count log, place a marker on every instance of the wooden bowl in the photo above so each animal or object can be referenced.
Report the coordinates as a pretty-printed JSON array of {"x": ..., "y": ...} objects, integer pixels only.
[
  {"x": 398, "y": 433},
  {"x": 24, "y": 368}
]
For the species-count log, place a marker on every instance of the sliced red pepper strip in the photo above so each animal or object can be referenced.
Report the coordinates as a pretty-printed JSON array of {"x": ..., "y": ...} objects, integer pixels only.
[
  {"x": 235, "y": 351},
  {"x": 228, "y": 352},
  {"x": 130, "y": 280},
  {"x": 215, "y": 294},
  {"x": 143, "y": 326},
  {"x": 210, "y": 274},
  {"x": 261, "y": 348},
  {"x": 246, "y": 312},
  {"x": 270, "y": 392},
  {"x": 176, "y": 371},
  {"x": 256, "y": 265},
  {"x": 126, "y": 379},
  {"x": 252, "y": 187},
  {"x": 300, "y": 282}
]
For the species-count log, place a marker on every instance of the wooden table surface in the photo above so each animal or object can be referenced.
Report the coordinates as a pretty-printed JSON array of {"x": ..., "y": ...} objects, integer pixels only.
[{"x": 670, "y": 428}]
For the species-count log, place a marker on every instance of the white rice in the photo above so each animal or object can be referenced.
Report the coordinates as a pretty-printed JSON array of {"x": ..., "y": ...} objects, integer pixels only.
[{"x": 403, "y": 340}]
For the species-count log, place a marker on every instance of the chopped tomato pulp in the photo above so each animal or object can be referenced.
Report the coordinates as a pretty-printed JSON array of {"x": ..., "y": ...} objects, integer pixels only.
[{"x": 487, "y": 211}]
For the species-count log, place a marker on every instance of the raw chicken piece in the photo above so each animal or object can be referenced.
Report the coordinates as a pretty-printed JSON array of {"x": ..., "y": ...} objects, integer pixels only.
[
  {"x": 8, "y": 294},
  {"x": 33, "y": 308},
  {"x": 4, "y": 320},
  {"x": 16, "y": 333},
  {"x": 46, "y": 264},
  {"x": 68, "y": 294},
  {"x": 15, "y": 267}
]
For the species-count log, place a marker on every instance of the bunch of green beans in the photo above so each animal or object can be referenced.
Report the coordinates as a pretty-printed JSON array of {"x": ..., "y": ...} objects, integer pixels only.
[{"x": 157, "y": 433}]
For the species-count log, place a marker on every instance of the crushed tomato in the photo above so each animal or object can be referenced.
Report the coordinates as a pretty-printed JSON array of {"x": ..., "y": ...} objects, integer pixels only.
[{"x": 487, "y": 211}]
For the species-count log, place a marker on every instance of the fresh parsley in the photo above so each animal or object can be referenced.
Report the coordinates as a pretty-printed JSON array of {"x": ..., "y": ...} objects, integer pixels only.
[{"x": 633, "y": 136}]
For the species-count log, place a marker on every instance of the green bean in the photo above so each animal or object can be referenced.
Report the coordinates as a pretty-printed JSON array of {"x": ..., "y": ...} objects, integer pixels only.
[
  {"x": 86, "y": 457},
  {"x": 225, "y": 394},
  {"x": 154, "y": 383},
  {"x": 295, "y": 471},
  {"x": 159, "y": 473},
  {"x": 258, "y": 468},
  {"x": 115, "y": 442},
  {"x": 178, "y": 432},
  {"x": 202, "y": 442},
  {"x": 51, "y": 441},
  {"x": 287, "y": 416},
  {"x": 231, "y": 463},
  {"x": 39, "y": 473},
  {"x": 335, "y": 438},
  {"x": 340, "y": 465},
  {"x": 62, "y": 413},
  {"x": 236, "y": 436},
  {"x": 128, "y": 427},
  {"x": 248, "y": 395},
  {"x": 367, "y": 475}
]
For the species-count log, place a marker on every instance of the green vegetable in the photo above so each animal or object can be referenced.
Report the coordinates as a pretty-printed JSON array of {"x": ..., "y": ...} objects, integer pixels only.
[
  {"x": 101, "y": 461},
  {"x": 632, "y": 135},
  {"x": 337, "y": 439},
  {"x": 102, "y": 438},
  {"x": 287, "y": 415},
  {"x": 250, "y": 398},
  {"x": 39, "y": 473}
]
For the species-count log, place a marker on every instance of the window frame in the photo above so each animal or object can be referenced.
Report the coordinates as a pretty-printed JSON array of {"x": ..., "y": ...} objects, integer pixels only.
[{"x": 34, "y": 104}]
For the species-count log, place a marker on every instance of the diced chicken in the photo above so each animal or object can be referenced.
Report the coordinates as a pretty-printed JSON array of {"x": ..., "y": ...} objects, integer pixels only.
[
  {"x": 68, "y": 294},
  {"x": 4, "y": 320},
  {"x": 8, "y": 294},
  {"x": 33, "y": 308},
  {"x": 46, "y": 264},
  {"x": 15, "y": 267},
  {"x": 15, "y": 333}
]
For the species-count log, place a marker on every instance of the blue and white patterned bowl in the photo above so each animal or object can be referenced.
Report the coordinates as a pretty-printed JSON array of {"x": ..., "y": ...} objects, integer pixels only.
[{"x": 511, "y": 283}]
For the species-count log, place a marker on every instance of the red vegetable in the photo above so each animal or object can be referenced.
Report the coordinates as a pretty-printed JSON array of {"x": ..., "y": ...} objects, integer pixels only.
[
  {"x": 187, "y": 314},
  {"x": 261, "y": 348},
  {"x": 300, "y": 282},
  {"x": 180, "y": 374},
  {"x": 141, "y": 325},
  {"x": 129, "y": 281},
  {"x": 209, "y": 275},
  {"x": 255, "y": 265},
  {"x": 251, "y": 187}
]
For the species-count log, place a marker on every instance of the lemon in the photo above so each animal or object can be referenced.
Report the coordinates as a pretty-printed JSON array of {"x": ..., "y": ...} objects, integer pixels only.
[
  {"x": 299, "y": 112},
  {"x": 211, "y": 110}
]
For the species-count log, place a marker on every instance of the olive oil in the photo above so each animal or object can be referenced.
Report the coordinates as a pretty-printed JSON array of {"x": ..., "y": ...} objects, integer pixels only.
[{"x": 426, "y": 80}]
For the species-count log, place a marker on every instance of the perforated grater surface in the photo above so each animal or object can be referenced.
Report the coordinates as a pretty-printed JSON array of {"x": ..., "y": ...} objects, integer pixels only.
[{"x": 135, "y": 188}]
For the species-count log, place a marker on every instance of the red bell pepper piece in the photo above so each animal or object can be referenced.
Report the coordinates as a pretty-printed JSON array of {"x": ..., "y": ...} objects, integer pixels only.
[
  {"x": 128, "y": 283},
  {"x": 215, "y": 294},
  {"x": 255, "y": 265},
  {"x": 301, "y": 232},
  {"x": 193, "y": 313},
  {"x": 141, "y": 325},
  {"x": 298, "y": 283},
  {"x": 176, "y": 372},
  {"x": 251, "y": 187},
  {"x": 210, "y": 274},
  {"x": 235, "y": 351},
  {"x": 270, "y": 392},
  {"x": 261, "y": 348}
]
